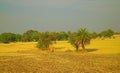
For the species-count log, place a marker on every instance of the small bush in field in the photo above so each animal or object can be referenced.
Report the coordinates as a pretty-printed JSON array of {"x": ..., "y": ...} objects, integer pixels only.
[{"x": 44, "y": 41}]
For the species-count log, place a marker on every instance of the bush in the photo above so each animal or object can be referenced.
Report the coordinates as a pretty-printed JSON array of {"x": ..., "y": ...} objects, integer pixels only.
[{"x": 44, "y": 41}]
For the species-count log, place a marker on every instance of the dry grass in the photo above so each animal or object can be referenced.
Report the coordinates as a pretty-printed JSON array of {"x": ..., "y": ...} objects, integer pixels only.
[
  {"x": 97, "y": 46},
  {"x": 19, "y": 46},
  {"x": 60, "y": 63},
  {"x": 106, "y": 46},
  {"x": 103, "y": 56}
]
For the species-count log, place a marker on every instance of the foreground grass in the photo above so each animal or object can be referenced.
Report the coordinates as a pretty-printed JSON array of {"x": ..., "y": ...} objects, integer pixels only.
[{"x": 59, "y": 62}]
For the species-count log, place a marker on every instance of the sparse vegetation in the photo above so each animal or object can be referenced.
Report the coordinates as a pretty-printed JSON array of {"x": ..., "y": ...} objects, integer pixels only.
[
  {"x": 102, "y": 56},
  {"x": 23, "y": 58}
]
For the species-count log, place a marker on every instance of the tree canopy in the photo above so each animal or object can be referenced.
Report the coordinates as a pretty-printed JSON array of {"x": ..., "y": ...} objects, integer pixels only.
[
  {"x": 30, "y": 35},
  {"x": 107, "y": 33},
  {"x": 7, "y": 37},
  {"x": 81, "y": 38},
  {"x": 44, "y": 41}
]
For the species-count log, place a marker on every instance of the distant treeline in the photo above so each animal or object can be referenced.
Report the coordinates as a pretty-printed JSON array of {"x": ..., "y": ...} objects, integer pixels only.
[{"x": 33, "y": 35}]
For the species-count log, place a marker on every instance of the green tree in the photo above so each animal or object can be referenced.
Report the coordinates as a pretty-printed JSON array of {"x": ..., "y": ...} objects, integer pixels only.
[
  {"x": 110, "y": 33},
  {"x": 35, "y": 36},
  {"x": 62, "y": 36},
  {"x": 53, "y": 36},
  {"x": 44, "y": 41},
  {"x": 7, "y": 37},
  {"x": 30, "y": 35},
  {"x": 94, "y": 35},
  {"x": 69, "y": 33},
  {"x": 107, "y": 33},
  {"x": 18, "y": 37},
  {"x": 74, "y": 40},
  {"x": 81, "y": 38}
]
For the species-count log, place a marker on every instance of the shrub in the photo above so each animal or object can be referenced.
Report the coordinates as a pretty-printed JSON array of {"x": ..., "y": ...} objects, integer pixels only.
[{"x": 44, "y": 41}]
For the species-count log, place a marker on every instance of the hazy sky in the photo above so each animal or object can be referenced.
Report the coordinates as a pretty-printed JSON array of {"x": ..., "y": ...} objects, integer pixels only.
[{"x": 17, "y": 16}]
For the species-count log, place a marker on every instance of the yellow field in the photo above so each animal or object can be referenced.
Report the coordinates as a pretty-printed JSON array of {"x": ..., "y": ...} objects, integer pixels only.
[
  {"x": 19, "y": 46},
  {"x": 97, "y": 46},
  {"x": 26, "y": 58},
  {"x": 107, "y": 46}
]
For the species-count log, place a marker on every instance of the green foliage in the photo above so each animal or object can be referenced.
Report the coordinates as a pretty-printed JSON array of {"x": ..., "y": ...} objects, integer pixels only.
[
  {"x": 94, "y": 35},
  {"x": 107, "y": 33},
  {"x": 84, "y": 34},
  {"x": 69, "y": 33},
  {"x": 62, "y": 36},
  {"x": 35, "y": 36},
  {"x": 53, "y": 36},
  {"x": 18, "y": 37},
  {"x": 44, "y": 41},
  {"x": 74, "y": 40},
  {"x": 7, "y": 37},
  {"x": 84, "y": 37},
  {"x": 30, "y": 35},
  {"x": 81, "y": 38}
]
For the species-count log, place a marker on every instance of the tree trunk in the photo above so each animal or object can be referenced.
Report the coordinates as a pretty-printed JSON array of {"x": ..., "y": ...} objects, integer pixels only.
[
  {"x": 83, "y": 45},
  {"x": 77, "y": 47}
]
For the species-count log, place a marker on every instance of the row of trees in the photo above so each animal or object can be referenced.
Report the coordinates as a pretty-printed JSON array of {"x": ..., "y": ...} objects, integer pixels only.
[
  {"x": 10, "y": 37},
  {"x": 80, "y": 38},
  {"x": 31, "y": 35}
]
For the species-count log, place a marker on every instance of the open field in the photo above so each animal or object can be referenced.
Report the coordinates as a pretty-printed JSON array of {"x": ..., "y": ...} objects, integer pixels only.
[
  {"x": 59, "y": 63},
  {"x": 103, "y": 56},
  {"x": 97, "y": 46}
]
